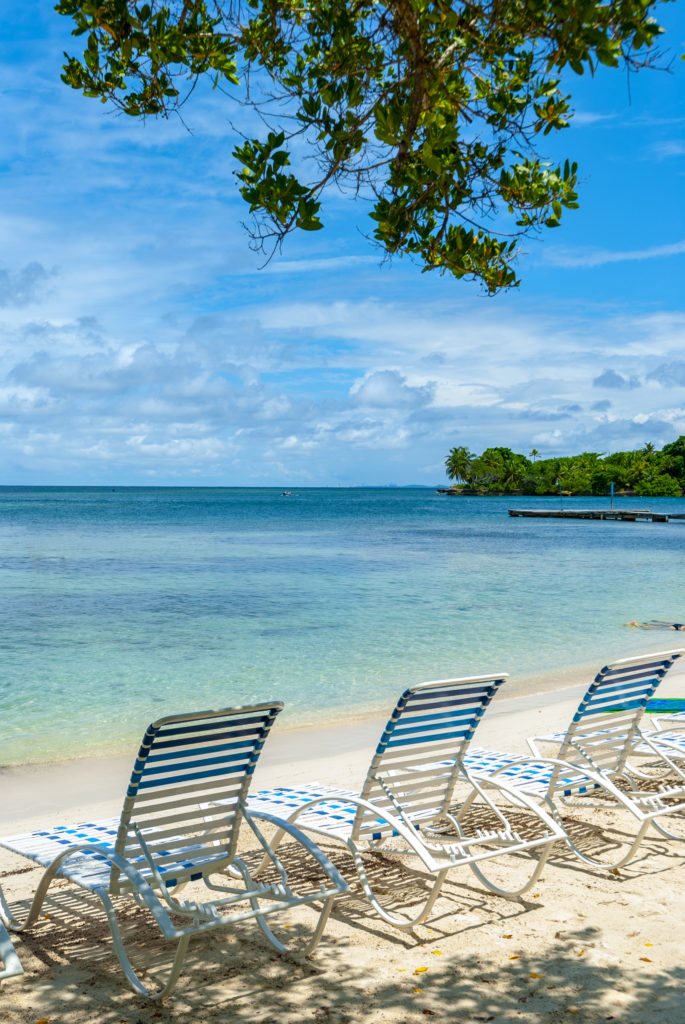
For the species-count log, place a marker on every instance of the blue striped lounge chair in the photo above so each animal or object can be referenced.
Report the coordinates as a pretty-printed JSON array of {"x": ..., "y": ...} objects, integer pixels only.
[
  {"x": 406, "y": 804},
  {"x": 172, "y": 831},
  {"x": 10, "y": 966},
  {"x": 591, "y": 764}
]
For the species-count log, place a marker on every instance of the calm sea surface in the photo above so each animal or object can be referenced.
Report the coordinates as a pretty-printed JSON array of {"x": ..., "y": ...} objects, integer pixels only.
[{"x": 118, "y": 606}]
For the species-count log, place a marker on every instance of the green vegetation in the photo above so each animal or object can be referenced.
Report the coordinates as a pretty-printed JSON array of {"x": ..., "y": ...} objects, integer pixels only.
[
  {"x": 645, "y": 472},
  {"x": 434, "y": 110}
]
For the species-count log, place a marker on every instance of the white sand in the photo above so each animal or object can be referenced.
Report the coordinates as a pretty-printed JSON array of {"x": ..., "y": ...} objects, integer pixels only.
[{"x": 584, "y": 945}]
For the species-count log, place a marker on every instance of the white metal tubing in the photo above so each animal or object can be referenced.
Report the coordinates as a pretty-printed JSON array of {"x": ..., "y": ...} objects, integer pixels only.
[{"x": 8, "y": 956}]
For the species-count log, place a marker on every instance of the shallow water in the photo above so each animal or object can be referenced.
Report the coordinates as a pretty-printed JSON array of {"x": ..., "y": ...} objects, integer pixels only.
[{"x": 118, "y": 606}]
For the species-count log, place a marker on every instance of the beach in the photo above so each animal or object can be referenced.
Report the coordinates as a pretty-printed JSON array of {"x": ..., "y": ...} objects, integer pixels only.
[{"x": 583, "y": 944}]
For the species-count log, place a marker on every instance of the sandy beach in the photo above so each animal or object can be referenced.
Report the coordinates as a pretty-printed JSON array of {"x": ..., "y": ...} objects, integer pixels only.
[{"x": 582, "y": 945}]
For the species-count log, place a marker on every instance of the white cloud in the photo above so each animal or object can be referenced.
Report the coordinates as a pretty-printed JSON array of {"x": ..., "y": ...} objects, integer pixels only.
[
  {"x": 668, "y": 148},
  {"x": 320, "y": 265},
  {"x": 583, "y": 118},
  {"x": 295, "y": 406},
  {"x": 599, "y": 257},
  {"x": 389, "y": 389}
]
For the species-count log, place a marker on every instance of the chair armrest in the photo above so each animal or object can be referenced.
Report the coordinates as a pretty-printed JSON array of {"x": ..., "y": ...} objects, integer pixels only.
[
  {"x": 311, "y": 847},
  {"x": 533, "y": 741}
]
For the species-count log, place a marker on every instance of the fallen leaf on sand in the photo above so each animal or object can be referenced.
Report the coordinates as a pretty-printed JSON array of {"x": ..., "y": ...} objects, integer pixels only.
[
  {"x": 646, "y": 959},
  {"x": 531, "y": 975},
  {"x": 420, "y": 970},
  {"x": 429, "y": 1013},
  {"x": 582, "y": 953},
  {"x": 515, "y": 957},
  {"x": 438, "y": 952},
  {"x": 417, "y": 990}
]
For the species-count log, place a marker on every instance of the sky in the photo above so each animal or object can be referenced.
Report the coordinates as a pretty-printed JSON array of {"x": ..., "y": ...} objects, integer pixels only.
[{"x": 142, "y": 342}]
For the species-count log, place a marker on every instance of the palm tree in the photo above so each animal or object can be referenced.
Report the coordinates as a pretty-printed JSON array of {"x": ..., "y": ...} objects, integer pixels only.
[
  {"x": 534, "y": 454},
  {"x": 458, "y": 464}
]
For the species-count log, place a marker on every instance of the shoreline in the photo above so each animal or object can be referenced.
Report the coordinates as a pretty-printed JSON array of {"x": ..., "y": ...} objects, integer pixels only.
[
  {"x": 518, "y": 684},
  {"x": 93, "y": 787}
]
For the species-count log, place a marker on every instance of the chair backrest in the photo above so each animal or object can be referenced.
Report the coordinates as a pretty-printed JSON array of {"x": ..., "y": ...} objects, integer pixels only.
[
  {"x": 185, "y": 764},
  {"x": 606, "y": 722},
  {"x": 417, "y": 761}
]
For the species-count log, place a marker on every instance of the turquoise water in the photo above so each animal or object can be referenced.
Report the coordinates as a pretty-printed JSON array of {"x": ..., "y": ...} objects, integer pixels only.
[{"x": 118, "y": 606}]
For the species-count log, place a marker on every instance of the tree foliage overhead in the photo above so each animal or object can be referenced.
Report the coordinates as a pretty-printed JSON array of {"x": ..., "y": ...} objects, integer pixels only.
[
  {"x": 431, "y": 109},
  {"x": 646, "y": 472}
]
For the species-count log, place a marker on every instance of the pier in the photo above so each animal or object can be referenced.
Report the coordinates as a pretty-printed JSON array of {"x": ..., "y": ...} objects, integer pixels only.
[{"x": 616, "y": 515}]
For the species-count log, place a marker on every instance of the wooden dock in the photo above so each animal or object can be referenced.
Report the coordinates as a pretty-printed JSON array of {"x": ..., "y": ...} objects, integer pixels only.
[{"x": 614, "y": 514}]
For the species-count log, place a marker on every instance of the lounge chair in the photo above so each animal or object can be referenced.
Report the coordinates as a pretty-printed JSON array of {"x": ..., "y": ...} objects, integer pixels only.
[
  {"x": 656, "y": 741},
  {"x": 10, "y": 966},
  {"x": 172, "y": 832},
  {"x": 407, "y": 801},
  {"x": 592, "y": 756}
]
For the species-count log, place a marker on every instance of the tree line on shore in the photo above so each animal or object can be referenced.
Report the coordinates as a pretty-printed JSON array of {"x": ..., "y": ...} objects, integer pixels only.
[{"x": 646, "y": 472}]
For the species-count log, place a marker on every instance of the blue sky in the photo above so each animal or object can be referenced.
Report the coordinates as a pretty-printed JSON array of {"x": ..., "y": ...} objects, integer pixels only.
[{"x": 140, "y": 342}]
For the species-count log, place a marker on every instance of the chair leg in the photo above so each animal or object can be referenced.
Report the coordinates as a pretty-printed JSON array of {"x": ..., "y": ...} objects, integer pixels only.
[
  {"x": 519, "y": 890},
  {"x": 538, "y": 853},
  {"x": 666, "y": 832},
  {"x": 34, "y": 910},
  {"x": 126, "y": 966},
  {"x": 292, "y": 950},
  {"x": 12, "y": 965},
  {"x": 611, "y": 865},
  {"x": 403, "y": 922}
]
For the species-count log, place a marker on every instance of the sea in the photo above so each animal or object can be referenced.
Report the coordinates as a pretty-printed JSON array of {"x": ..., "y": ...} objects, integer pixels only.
[{"x": 119, "y": 605}]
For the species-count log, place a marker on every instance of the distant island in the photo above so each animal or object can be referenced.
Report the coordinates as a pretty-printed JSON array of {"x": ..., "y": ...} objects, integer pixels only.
[{"x": 645, "y": 472}]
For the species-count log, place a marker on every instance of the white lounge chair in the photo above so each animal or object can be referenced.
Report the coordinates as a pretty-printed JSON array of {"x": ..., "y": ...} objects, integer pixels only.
[
  {"x": 658, "y": 741},
  {"x": 407, "y": 800},
  {"x": 172, "y": 832},
  {"x": 10, "y": 966},
  {"x": 592, "y": 756}
]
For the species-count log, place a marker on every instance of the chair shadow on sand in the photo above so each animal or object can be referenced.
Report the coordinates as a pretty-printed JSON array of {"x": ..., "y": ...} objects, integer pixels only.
[{"x": 237, "y": 978}]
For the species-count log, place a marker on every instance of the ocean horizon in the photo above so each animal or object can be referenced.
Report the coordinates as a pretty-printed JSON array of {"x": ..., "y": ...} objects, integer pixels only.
[{"x": 122, "y": 604}]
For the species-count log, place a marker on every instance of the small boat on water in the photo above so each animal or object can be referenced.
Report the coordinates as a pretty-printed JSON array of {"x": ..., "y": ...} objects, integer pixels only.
[{"x": 286, "y": 494}]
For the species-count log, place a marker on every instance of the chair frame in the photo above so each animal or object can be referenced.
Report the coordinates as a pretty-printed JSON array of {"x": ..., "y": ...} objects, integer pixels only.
[
  {"x": 170, "y": 834},
  {"x": 595, "y": 751},
  {"x": 409, "y": 794},
  {"x": 8, "y": 956}
]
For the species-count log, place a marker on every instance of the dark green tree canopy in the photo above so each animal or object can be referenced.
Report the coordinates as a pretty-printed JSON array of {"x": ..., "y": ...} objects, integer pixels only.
[
  {"x": 646, "y": 472},
  {"x": 431, "y": 109}
]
